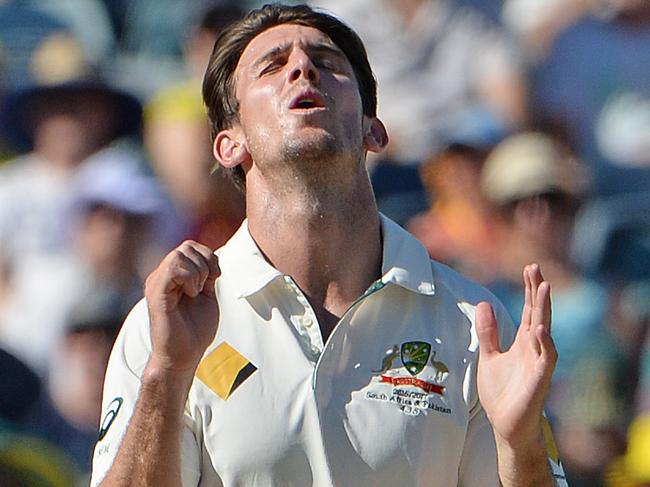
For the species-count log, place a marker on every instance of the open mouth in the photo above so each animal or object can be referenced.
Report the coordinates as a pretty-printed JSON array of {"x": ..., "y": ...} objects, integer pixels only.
[{"x": 307, "y": 101}]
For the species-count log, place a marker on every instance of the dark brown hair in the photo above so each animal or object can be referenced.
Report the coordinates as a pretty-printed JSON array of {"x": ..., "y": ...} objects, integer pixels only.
[{"x": 219, "y": 81}]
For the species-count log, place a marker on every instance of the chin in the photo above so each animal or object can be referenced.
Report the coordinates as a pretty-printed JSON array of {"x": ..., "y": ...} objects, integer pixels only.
[{"x": 312, "y": 144}]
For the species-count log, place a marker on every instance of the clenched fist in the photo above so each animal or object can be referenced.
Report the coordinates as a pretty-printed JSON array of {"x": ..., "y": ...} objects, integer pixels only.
[{"x": 183, "y": 308}]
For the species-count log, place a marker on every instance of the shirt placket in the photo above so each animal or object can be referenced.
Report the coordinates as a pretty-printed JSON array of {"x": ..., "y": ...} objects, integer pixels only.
[{"x": 305, "y": 323}]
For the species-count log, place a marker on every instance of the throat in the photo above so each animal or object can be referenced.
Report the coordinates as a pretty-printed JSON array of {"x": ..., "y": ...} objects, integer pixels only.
[{"x": 327, "y": 322}]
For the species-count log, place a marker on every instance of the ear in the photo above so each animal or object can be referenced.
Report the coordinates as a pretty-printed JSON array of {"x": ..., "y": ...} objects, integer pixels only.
[
  {"x": 375, "y": 136},
  {"x": 230, "y": 148}
]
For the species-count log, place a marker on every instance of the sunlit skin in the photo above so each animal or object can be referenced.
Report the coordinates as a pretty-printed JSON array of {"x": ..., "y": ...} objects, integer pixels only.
[
  {"x": 301, "y": 138},
  {"x": 512, "y": 385},
  {"x": 280, "y": 67}
]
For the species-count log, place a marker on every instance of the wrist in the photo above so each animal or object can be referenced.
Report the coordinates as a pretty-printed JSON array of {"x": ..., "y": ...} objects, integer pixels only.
[
  {"x": 169, "y": 383},
  {"x": 530, "y": 450},
  {"x": 523, "y": 462},
  {"x": 163, "y": 366},
  {"x": 529, "y": 442}
]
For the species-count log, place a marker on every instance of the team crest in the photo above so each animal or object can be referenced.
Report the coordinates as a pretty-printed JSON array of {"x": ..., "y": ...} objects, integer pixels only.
[
  {"x": 418, "y": 389},
  {"x": 415, "y": 355}
]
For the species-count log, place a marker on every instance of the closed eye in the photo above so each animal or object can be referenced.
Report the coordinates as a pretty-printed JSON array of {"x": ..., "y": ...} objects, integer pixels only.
[
  {"x": 327, "y": 63},
  {"x": 271, "y": 68}
]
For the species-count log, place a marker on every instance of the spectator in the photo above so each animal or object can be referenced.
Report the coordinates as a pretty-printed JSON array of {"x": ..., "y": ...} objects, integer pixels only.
[
  {"x": 603, "y": 101},
  {"x": 19, "y": 389},
  {"x": 634, "y": 307},
  {"x": 151, "y": 41},
  {"x": 460, "y": 228},
  {"x": 114, "y": 222},
  {"x": 87, "y": 20},
  {"x": 63, "y": 121},
  {"x": 178, "y": 143},
  {"x": 23, "y": 30},
  {"x": 120, "y": 223},
  {"x": 537, "y": 23},
  {"x": 27, "y": 461},
  {"x": 69, "y": 413}
]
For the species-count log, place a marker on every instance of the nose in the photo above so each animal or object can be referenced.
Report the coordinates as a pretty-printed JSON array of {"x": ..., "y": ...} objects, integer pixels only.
[{"x": 302, "y": 67}]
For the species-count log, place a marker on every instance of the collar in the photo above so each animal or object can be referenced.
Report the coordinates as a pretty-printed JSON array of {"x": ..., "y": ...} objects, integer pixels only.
[
  {"x": 405, "y": 262},
  {"x": 244, "y": 264}
]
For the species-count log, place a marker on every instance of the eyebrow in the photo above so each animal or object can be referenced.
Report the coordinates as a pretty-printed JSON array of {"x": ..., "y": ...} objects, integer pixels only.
[{"x": 310, "y": 47}]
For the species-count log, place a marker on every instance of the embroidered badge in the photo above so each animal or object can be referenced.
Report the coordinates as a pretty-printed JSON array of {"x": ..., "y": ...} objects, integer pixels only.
[
  {"x": 414, "y": 356},
  {"x": 416, "y": 383},
  {"x": 224, "y": 370}
]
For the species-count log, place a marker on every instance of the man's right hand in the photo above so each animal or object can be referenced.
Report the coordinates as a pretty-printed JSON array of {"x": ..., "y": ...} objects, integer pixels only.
[
  {"x": 183, "y": 308},
  {"x": 183, "y": 317}
]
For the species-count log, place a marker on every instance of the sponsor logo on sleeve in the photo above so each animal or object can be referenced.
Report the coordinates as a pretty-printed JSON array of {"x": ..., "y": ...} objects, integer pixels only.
[
  {"x": 224, "y": 370},
  {"x": 109, "y": 417}
]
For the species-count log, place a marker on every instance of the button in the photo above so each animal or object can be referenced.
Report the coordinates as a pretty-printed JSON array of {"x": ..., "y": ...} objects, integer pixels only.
[
  {"x": 314, "y": 349},
  {"x": 289, "y": 283},
  {"x": 307, "y": 321}
]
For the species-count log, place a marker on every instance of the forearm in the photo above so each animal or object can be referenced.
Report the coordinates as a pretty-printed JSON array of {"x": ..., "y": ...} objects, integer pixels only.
[
  {"x": 150, "y": 451},
  {"x": 524, "y": 465}
]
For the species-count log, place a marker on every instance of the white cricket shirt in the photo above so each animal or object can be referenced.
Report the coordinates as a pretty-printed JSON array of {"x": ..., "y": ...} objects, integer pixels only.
[{"x": 390, "y": 399}]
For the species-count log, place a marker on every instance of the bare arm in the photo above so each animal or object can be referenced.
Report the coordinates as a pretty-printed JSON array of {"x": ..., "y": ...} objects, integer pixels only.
[
  {"x": 523, "y": 465},
  {"x": 513, "y": 385},
  {"x": 183, "y": 316}
]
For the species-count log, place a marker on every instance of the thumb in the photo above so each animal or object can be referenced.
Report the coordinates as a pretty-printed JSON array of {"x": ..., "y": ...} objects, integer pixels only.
[{"x": 486, "y": 329}]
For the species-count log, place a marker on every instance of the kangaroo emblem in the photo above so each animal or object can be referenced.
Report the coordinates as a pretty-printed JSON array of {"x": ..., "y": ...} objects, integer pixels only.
[
  {"x": 389, "y": 357},
  {"x": 442, "y": 371}
]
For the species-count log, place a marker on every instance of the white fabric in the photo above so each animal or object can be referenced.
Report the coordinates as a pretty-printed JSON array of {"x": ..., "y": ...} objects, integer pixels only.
[{"x": 314, "y": 414}]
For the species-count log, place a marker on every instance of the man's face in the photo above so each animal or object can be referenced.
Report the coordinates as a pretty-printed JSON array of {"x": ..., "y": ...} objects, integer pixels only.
[{"x": 298, "y": 97}]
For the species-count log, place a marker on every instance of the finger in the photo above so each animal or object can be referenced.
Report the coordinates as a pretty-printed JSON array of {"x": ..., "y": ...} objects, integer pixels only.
[
  {"x": 541, "y": 314},
  {"x": 542, "y": 309},
  {"x": 204, "y": 250},
  {"x": 528, "y": 300},
  {"x": 213, "y": 273},
  {"x": 198, "y": 267},
  {"x": 538, "y": 271},
  {"x": 548, "y": 353},
  {"x": 184, "y": 274},
  {"x": 188, "y": 267},
  {"x": 211, "y": 262},
  {"x": 200, "y": 257},
  {"x": 486, "y": 330},
  {"x": 535, "y": 275}
]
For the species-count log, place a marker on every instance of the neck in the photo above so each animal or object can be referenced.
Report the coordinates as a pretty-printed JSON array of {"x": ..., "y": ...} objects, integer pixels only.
[{"x": 328, "y": 241}]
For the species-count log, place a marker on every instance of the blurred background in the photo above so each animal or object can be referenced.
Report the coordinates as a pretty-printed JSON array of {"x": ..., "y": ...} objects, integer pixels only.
[{"x": 520, "y": 132}]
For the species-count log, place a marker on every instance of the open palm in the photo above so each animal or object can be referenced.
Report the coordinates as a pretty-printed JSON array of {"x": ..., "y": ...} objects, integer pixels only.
[{"x": 512, "y": 384}]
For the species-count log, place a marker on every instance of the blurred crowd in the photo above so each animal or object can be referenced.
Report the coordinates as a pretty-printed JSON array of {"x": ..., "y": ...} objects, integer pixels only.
[{"x": 520, "y": 132}]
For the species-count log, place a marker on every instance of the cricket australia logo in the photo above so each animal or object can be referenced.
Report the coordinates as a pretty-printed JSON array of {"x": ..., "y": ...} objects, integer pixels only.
[
  {"x": 415, "y": 355},
  {"x": 415, "y": 390}
]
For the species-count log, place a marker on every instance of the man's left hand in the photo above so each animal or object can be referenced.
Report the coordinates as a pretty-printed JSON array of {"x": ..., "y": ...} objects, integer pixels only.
[{"x": 512, "y": 384}]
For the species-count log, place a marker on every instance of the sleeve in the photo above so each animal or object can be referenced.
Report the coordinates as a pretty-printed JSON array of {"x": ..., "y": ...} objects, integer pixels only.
[
  {"x": 121, "y": 385},
  {"x": 478, "y": 466}
]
